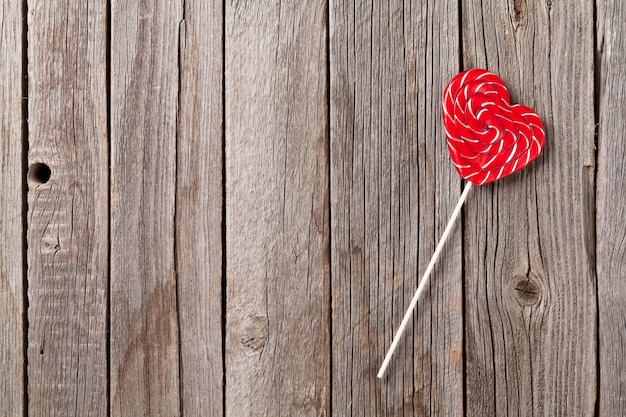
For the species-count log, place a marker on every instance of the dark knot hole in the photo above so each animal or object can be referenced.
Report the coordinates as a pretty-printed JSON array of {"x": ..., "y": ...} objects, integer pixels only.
[{"x": 39, "y": 173}]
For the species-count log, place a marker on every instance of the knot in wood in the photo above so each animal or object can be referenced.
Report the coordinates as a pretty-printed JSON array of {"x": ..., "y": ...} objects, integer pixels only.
[
  {"x": 519, "y": 10},
  {"x": 50, "y": 245},
  {"x": 253, "y": 332},
  {"x": 526, "y": 289}
]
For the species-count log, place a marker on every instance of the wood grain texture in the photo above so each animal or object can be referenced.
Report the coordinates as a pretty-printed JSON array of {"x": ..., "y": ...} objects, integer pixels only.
[
  {"x": 393, "y": 189},
  {"x": 11, "y": 203},
  {"x": 611, "y": 202},
  {"x": 199, "y": 208},
  {"x": 529, "y": 280},
  {"x": 67, "y": 215},
  {"x": 144, "y": 96},
  {"x": 277, "y": 216}
]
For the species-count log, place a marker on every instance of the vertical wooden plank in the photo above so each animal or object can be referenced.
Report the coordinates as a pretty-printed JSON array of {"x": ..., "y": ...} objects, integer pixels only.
[
  {"x": 530, "y": 290},
  {"x": 611, "y": 203},
  {"x": 11, "y": 202},
  {"x": 199, "y": 208},
  {"x": 277, "y": 226},
  {"x": 144, "y": 90},
  {"x": 67, "y": 212},
  {"x": 393, "y": 189}
]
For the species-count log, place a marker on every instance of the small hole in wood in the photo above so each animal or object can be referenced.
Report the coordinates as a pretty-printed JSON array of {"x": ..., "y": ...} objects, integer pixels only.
[
  {"x": 39, "y": 173},
  {"x": 41, "y": 352}
]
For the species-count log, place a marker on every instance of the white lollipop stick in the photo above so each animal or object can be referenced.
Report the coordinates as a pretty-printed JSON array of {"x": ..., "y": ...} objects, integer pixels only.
[{"x": 420, "y": 288}]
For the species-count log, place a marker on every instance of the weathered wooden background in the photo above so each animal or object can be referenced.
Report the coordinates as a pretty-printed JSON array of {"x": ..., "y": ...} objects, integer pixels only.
[{"x": 223, "y": 208}]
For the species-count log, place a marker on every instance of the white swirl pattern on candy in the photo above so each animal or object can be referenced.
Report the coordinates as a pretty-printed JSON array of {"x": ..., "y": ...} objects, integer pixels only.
[{"x": 488, "y": 138}]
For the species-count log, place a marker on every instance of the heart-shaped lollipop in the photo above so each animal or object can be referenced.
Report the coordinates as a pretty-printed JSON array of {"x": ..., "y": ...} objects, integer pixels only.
[{"x": 488, "y": 138}]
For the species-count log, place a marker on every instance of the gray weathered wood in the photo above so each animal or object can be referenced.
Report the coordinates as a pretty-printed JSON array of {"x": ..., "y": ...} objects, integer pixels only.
[
  {"x": 611, "y": 207},
  {"x": 277, "y": 215},
  {"x": 199, "y": 208},
  {"x": 67, "y": 215},
  {"x": 144, "y": 95},
  {"x": 393, "y": 189},
  {"x": 11, "y": 202},
  {"x": 529, "y": 281},
  {"x": 345, "y": 149}
]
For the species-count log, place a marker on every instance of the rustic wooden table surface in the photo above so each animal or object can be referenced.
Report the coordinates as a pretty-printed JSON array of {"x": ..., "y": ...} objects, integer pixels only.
[{"x": 223, "y": 208}]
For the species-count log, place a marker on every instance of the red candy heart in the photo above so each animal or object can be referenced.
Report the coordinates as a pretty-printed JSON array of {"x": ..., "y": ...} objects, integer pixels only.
[{"x": 488, "y": 138}]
